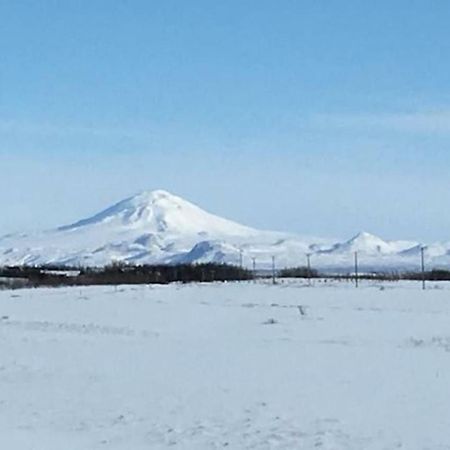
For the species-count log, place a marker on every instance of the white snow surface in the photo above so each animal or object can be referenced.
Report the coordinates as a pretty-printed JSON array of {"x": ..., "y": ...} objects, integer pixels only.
[
  {"x": 159, "y": 227},
  {"x": 226, "y": 366}
]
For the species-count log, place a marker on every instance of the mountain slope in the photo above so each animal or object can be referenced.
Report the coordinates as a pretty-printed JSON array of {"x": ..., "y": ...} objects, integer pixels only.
[
  {"x": 160, "y": 212},
  {"x": 151, "y": 227},
  {"x": 159, "y": 227},
  {"x": 369, "y": 244}
]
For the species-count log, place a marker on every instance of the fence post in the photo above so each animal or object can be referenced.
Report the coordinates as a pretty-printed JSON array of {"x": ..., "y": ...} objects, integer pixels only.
[
  {"x": 308, "y": 264},
  {"x": 273, "y": 270},
  {"x": 422, "y": 265}
]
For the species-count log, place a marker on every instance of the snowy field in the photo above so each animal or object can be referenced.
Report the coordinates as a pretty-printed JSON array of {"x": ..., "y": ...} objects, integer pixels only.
[{"x": 226, "y": 366}]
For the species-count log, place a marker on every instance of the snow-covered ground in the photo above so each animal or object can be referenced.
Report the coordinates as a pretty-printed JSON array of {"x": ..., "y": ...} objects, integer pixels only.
[{"x": 226, "y": 366}]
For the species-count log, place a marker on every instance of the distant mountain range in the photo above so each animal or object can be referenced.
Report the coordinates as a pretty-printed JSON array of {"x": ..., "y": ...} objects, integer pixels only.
[{"x": 159, "y": 227}]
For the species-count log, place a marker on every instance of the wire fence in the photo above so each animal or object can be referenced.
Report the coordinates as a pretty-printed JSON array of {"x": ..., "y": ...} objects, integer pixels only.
[{"x": 354, "y": 268}]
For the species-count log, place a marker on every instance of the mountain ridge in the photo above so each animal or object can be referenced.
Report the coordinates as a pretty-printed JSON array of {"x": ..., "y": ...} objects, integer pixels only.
[{"x": 160, "y": 227}]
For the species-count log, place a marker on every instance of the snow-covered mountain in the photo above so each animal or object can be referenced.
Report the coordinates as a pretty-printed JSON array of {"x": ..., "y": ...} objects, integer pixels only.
[
  {"x": 159, "y": 212},
  {"x": 159, "y": 227},
  {"x": 369, "y": 244}
]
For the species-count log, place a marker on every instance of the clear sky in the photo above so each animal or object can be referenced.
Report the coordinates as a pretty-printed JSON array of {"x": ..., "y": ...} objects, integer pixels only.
[{"x": 318, "y": 117}]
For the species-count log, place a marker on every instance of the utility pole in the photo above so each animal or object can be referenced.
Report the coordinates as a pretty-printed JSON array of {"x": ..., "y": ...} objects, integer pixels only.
[
  {"x": 308, "y": 265},
  {"x": 422, "y": 265},
  {"x": 356, "y": 269},
  {"x": 273, "y": 270},
  {"x": 241, "y": 259},
  {"x": 254, "y": 267}
]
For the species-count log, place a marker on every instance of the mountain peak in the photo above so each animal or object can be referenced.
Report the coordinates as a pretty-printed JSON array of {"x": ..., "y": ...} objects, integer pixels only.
[
  {"x": 363, "y": 242},
  {"x": 159, "y": 211},
  {"x": 365, "y": 236},
  {"x": 148, "y": 199},
  {"x": 150, "y": 196}
]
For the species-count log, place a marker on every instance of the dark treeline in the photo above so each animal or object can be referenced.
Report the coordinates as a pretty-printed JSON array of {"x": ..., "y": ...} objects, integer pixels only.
[
  {"x": 298, "y": 272},
  {"x": 429, "y": 275},
  {"x": 116, "y": 274},
  {"x": 305, "y": 272}
]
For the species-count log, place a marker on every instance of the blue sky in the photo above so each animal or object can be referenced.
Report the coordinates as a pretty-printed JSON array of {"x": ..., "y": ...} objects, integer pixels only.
[{"x": 318, "y": 117}]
